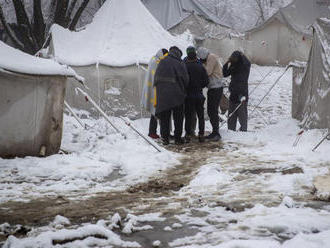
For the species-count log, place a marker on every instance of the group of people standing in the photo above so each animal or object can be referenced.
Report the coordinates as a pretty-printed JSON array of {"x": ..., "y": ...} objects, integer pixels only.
[{"x": 174, "y": 89}]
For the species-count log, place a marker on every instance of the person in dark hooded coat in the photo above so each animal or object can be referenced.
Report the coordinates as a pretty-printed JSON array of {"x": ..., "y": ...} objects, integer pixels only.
[
  {"x": 171, "y": 81},
  {"x": 238, "y": 67},
  {"x": 194, "y": 103}
]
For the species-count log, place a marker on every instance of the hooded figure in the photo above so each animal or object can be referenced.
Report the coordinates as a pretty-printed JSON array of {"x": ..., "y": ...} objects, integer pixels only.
[
  {"x": 195, "y": 99},
  {"x": 238, "y": 67},
  {"x": 149, "y": 92},
  {"x": 213, "y": 68},
  {"x": 148, "y": 99},
  {"x": 171, "y": 81}
]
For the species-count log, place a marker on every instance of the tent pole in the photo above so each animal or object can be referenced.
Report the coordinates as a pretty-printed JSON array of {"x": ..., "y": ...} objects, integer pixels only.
[{"x": 74, "y": 115}]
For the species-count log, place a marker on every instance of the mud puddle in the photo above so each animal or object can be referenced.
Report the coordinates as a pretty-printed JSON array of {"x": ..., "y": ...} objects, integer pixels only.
[{"x": 159, "y": 195}]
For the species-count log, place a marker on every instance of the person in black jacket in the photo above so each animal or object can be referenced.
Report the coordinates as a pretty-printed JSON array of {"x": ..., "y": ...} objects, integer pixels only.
[
  {"x": 171, "y": 81},
  {"x": 238, "y": 67},
  {"x": 198, "y": 79}
]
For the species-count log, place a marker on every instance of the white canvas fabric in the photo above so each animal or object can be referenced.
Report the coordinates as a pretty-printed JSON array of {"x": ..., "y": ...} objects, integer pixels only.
[
  {"x": 172, "y": 12},
  {"x": 122, "y": 33},
  {"x": 15, "y": 60},
  {"x": 311, "y": 96}
]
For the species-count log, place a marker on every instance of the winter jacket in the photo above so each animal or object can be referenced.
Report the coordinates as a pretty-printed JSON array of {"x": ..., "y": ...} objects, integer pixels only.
[
  {"x": 213, "y": 68},
  {"x": 171, "y": 81},
  {"x": 148, "y": 99},
  {"x": 239, "y": 73},
  {"x": 198, "y": 78}
]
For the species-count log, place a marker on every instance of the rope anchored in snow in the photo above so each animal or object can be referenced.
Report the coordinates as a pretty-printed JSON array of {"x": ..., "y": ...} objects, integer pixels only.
[
  {"x": 270, "y": 89},
  {"x": 244, "y": 99},
  {"x": 327, "y": 136},
  {"x": 89, "y": 99},
  {"x": 75, "y": 116}
]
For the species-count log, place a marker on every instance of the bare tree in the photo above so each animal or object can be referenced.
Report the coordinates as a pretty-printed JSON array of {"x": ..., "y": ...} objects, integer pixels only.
[
  {"x": 29, "y": 33},
  {"x": 261, "y": 9}
]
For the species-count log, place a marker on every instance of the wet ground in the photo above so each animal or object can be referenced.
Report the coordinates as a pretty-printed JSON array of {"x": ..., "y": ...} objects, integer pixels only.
[{"x": 167, "y": 193}]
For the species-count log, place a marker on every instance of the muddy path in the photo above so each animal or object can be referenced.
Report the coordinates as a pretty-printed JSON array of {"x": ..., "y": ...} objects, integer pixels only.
[
  {"x": 163, "y": 194},
  {"x": 41, "y": 211}
]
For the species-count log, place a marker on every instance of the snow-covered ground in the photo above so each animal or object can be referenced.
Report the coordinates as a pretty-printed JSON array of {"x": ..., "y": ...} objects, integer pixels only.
[
  {"x": 99, "y": 160},
  {"x": 255, "y": 192}
]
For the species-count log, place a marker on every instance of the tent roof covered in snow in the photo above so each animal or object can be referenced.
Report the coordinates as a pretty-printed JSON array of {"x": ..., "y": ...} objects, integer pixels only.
[
  {"x": 171, "y": 13},
  {"x": 311, "y": 95},
  {"x": 300, "y": 15},
  {"x": 122, "y": 33},
  {"x": 14, "y": 60}
]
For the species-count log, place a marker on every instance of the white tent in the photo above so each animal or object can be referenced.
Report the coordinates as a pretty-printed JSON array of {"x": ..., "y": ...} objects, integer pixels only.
[
  {"x": 287, "y": 35},
  {"x": 311, "y": 87},
  {"x": 171, "y": 13},
  {"x": 32, "y": 92},
  {"x": 208, "y": 30},
  {"x": 108, "y": 52}
]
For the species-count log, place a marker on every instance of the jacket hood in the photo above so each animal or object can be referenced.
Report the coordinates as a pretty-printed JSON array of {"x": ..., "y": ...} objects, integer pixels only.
[
  {"x": 203, "y": 52},
  {"x": 175, "y": 52}
]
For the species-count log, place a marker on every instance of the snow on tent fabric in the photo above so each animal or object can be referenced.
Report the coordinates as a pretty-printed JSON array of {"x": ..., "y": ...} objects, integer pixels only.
[
  {"x": 108, "y": 52},
  {"x": 311, "y": 95},
  {"x": 32, "y": 93},
  {"x": 286, "y": 36},
  {"x": 208, "y": 30}
]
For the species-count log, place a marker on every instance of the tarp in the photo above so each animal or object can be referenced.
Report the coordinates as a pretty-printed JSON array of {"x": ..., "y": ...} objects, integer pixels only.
[
  {"x": 122, "y": 33},
  {"x": 300, "y": 15},
  {"x": 14, "y": 60},
  {"x": 313, "y": 97},
  {"x": 172, "y": 12}
]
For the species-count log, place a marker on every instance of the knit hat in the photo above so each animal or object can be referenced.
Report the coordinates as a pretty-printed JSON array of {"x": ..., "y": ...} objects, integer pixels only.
[
  {"x": 202, "y": 53},
  {"x": 190, "y": 50}
]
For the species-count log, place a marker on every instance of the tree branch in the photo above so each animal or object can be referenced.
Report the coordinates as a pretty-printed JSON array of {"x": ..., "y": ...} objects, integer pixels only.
[
  {"x": 9, "y": 32},
  {"x": 39, "y": 25},
  {"x": 77, "y": 16}
]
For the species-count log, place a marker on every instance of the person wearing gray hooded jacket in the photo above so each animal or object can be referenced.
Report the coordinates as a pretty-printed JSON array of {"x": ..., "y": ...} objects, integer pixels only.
[{"x": 215, "y": 89}]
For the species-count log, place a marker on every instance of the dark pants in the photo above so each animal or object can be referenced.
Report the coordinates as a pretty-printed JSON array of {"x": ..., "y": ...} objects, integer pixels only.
[
  {"x": 153, "y": 125},
  {"x": 213, "y": 103},
  {"x": 194, "y": 106},
  {"x": 165, "y": 119},
  {"x": 241, "y": 114}
]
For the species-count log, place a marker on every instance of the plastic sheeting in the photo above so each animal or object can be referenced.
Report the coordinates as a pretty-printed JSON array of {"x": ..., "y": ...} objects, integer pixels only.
[
  {"x": 311, "y": 95},
  {"x": 171, "y": 12},
  {"x": 31, "y": 114},
  {"x": 120, "y": 87}
]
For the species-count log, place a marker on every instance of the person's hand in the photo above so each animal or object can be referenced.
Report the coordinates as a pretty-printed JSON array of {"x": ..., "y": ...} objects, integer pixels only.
[{"x": 242, "y": 99}]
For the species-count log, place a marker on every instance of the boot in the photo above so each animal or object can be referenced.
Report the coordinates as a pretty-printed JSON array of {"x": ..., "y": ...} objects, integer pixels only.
[
  {"x": 187, "y": 138},
  {"x": 154, "y": 136},
  {"x": 214, "y": 137},
  {"x": 201, "y": 138},
  {"x": 179, "y": 141},
  {"x": 166, "y": 141}
]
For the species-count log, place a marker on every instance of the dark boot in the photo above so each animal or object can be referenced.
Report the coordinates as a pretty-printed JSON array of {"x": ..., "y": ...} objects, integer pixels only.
[
  {"x": 201, "y": 138},
  {"x": 179, "y": 141},
  {"x": 166, "y": 141},
  {"x": 214, "y": 137}
]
